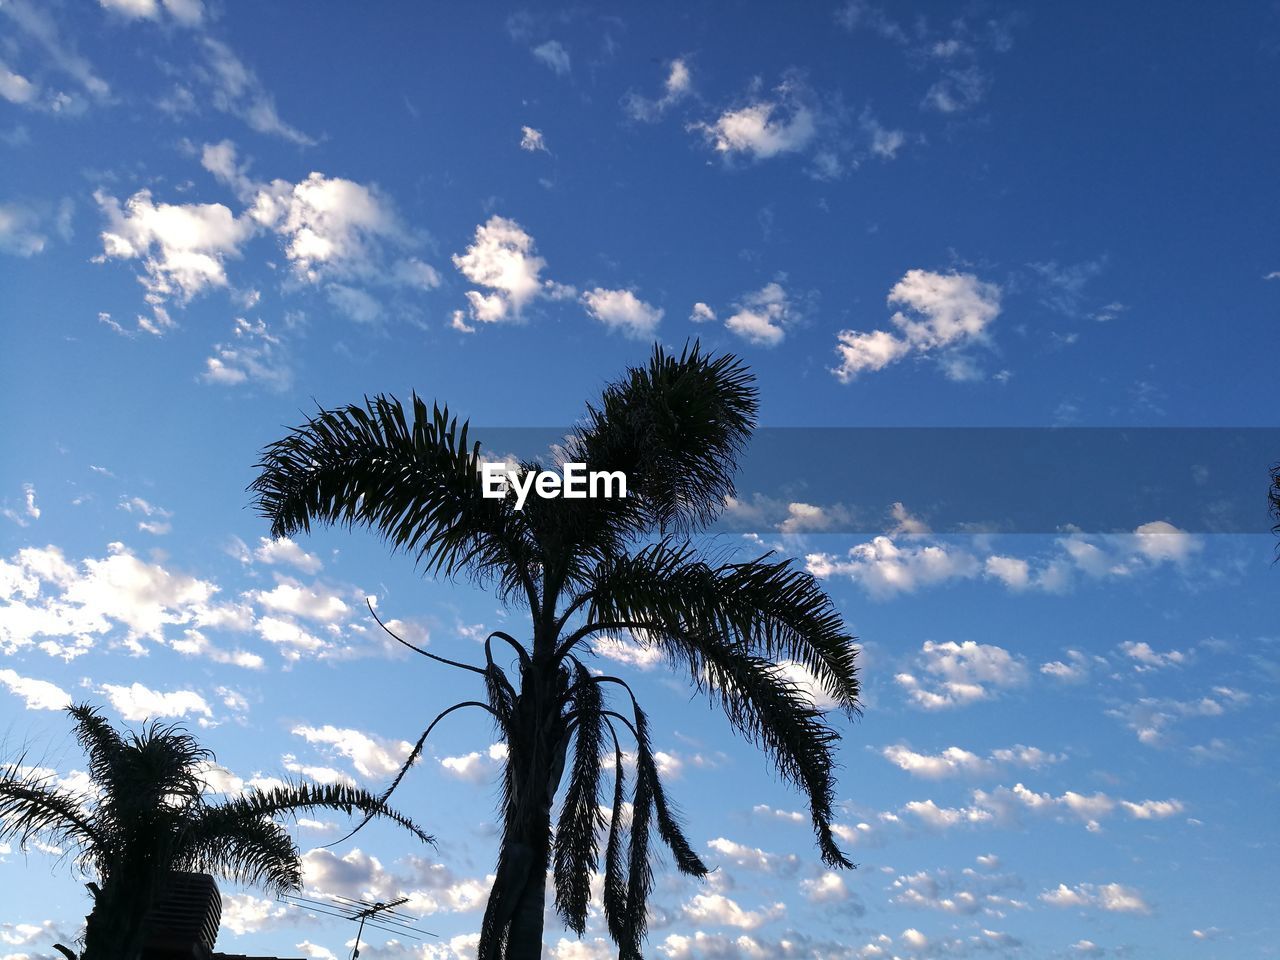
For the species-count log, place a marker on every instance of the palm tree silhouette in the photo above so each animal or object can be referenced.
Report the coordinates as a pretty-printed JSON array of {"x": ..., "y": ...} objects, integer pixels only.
[
  {"x": 148, "y": 816},
  {"x": 583, "y": 568}
]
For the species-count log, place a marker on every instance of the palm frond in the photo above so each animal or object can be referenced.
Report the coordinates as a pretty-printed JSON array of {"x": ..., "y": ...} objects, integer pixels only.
[
  {"x": 32, "y": 808},
  {"x": 576, "y": 844},
  {"x": 414, "y": 481},
  {"x": 251, "y": 850},
  {"x": 615, "y": 882},
  {"x": 770, "y": 711},
  {"x": 295, "y": 798},
  {"x": 639, "y": 868},
  {"x": 765, "y": 606},
  {"x": 675, "y": 428},
  {"x": 669, "y": 828}
]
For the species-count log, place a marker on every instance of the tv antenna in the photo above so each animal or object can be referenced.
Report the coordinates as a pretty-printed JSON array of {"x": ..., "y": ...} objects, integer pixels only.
[{"x": 374, "y": 913}]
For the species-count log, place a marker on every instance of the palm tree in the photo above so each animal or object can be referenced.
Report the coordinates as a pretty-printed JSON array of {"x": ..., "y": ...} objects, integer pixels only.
[
  {"x": 148, "y": 815},
  {"x": 583, "y": 568}
]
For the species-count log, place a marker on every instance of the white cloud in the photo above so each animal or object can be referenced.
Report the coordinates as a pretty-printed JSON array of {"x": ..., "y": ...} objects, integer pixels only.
[
  {"x": 1071, "y": 672},
  {"x": 245, "y": 913},
  {"x": 292, "y": 641},
  {"x": 156, "y": 519},
  {"x": 476, "y": 767},
  {"x": 961, "y": 673},
  {"x": 807, "y": 684},
  {"x": 1151, "y": 718},
  {"x": 914, "y": 938},
  {"x": 1160, "y": 541},
  {"x": 885, "y": 568},
  {"x": 719, "y": 910},
  {"x": 25, "y": 228},
  {"x": 30, "y": 510},
  {"x": 46, "y": 596},
  {"x": 676, "y": 87},
  {"x": 951, "y": 761},
  {"x": 622, "y": 311},
  {"x": 942, "y": 818},
  {"x": 15, "y": 88},
  {"x": 35, "y": 694},
  {"x": 957, "y": 91},
  {"x": 188, "y": 13},
  {"x": 37, "y": 23},
  {"x": 289, "y": 596},
  {"x": 763, "y": 317},
  {"x": 766, "y": 128},
  {"x": 554, "y": 55},
  {"x": 333, "y": 228},
  {"x": 235, "y": 89},
  {"x": 753, "y": 858},
  {"x": 196, "y": 644},
  {"x": 828, "y": 888},
  {"x": 1153, "y": 809},
  {"x": 1146, "y": 658},
  {"x": 355, "y": 875},
  {"x": 531, "y": 140},
  {"x": 701, "y": 313},
  {"x": 371, "y": 756},
  {"x": 256, "y": 355},
  {"x": 183, "y": 247},
  {"x": 136, "y": 702},
  {"x": 968, "y": 893},
  {"x": 626, "y": 651},
  {"x": 503, "y": 260},
  {"x": 944, "y": 312},
  {"x": 286, "y": 551},
  {"x": 1112, "y": 897}
]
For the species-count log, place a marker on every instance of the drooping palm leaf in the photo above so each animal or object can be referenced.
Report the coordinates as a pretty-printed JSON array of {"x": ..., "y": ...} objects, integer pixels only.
[
  {"x": 252, "y": 850},
  {"x": 576, "y": 844},
  {"x": 33, "y": 808},
  {"x": 768, "y": 607}
]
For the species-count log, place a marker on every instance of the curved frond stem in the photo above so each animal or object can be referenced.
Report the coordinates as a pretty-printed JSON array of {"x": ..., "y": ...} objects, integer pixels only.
[
  {"x": 582, "y": 633},
  {"x": 412, "y": 759},
  {"x": 512, "y": 642},
  {"x": 416, "y": 649}
]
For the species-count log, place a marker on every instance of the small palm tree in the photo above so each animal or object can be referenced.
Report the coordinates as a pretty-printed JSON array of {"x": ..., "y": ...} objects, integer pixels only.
[
  {"x": 148, "y": 815},
  {"x": 583, "y": 568}
]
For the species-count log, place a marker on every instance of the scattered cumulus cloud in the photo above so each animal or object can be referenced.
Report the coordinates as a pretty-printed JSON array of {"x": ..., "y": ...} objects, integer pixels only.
[
  {"x": 553, "y": 55},
  {"x": 503, "y": 260},
  {"x": 137, "y": 702},
  {"x": 1112, "y": 897},
  {"x": 531, "y": 140},
  {"x": 254, "y": 355},
  {"x": 763, "y": 317},
  {"x": 35, "y": 694},
  {"x": 676, "y": 87},
  {"x": 764, "y": 128},
  {"x": 623, "y": 311},
  {"x": 958, "y": 674},
  {"x": 942, "y": 314}
]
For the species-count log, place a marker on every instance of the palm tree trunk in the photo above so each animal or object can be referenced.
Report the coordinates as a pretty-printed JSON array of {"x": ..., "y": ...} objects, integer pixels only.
[
  {"x": 524, "y": 940},
  {"x": 115, "y": 928},
  {"x": 536, "y": 754}
]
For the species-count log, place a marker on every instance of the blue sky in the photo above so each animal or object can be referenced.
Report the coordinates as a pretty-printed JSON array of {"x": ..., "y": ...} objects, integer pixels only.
[{"x": 213, "y": 216}]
